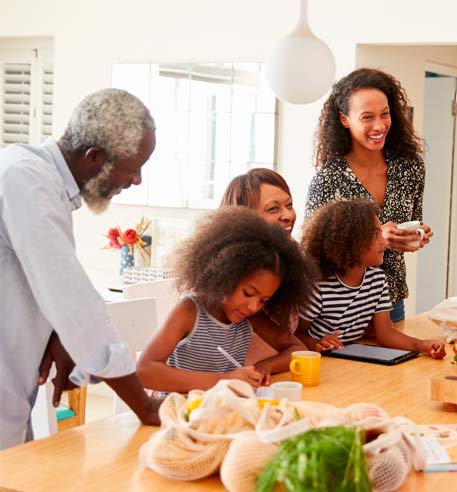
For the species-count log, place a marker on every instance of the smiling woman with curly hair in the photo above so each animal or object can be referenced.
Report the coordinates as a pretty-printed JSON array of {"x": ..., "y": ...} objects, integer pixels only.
[
  {"x": 234, "y": 269},
  {"x": 333, "y": 139},
  {"x": 366, "y": 148}
]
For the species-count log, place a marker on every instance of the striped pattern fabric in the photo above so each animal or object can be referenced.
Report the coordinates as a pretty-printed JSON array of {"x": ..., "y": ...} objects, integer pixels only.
[
  {"x": 198, "y": 351},
  {"x": 336, "y": 306}
]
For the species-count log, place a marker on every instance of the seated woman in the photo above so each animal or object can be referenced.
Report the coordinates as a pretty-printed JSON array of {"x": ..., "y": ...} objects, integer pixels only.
[
  {"x": 264, "y": 191},
  {"x": 267, "y": 193}
]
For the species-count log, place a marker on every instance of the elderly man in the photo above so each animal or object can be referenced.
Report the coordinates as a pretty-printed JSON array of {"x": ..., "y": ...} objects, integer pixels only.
[{"x": 45, "y": 294}]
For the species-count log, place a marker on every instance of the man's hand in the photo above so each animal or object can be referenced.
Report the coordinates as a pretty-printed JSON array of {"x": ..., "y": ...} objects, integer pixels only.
[
  {"x": 56, "y": 353},
  {"x": 131, "y": 391}
]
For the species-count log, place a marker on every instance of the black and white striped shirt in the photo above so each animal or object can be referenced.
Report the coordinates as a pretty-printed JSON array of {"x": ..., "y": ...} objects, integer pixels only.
[
  {"x": 198, "y": 351},
  {"x": 336, "y": 306}
]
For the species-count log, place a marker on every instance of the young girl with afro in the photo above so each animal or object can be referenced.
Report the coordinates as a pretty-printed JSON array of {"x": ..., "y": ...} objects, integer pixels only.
[
  {"x": 238, "y": 272},
  {"x": 345, "y": 240}
]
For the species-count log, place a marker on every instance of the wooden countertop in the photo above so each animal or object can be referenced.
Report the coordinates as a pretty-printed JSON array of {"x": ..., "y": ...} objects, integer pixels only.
[{"x": 103, "y": 455}]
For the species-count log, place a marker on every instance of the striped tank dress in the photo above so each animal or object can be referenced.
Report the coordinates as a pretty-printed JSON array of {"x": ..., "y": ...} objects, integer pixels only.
[{"x": 198, "y": 351}]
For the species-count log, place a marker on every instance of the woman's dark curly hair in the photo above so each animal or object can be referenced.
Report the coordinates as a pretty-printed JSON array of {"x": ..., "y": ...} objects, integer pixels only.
[
  {"x": 332, "y": 139},
  {"x": 338, "y": 233},
  {"x": 245, "y": 188},
  {"x": 234, "y": 242}
]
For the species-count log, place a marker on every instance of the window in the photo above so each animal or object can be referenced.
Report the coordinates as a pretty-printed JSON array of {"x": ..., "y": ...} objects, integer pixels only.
[
  {"x": 26, "y": 90},
  {"x": 214, "y": 121}
]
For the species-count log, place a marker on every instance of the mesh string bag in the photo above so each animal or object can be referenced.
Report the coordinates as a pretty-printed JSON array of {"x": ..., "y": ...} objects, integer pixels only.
[
  {"x": 392, "y": 454},
  {"x": 226, "y": 430},
  {"x": 249, "y": 452},
  {"x": 444, "y": 315},
  {"x": 288, "y": 419},
  {"x": 244, "y": 461},
  {"x": 387, "y": 470},
  {"x": 189, "y": 447},
  {"x": 362, "y": 411},
  {"x": 174, "y": 454}
]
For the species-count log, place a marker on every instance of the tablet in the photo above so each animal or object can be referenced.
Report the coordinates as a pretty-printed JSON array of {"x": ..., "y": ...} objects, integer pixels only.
[{"x": 372, "y": 353}]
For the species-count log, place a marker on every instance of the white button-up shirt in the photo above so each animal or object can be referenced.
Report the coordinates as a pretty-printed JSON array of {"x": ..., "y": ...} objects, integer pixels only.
[{"x": 43, "y": 287}]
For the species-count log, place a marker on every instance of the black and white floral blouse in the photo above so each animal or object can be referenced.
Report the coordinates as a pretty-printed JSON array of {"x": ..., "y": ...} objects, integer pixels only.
[{"x": 402, "y": 203}]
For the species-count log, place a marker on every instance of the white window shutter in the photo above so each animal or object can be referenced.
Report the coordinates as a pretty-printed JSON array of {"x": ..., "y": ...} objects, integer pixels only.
[
  {"x": 46, "y": 101},
  {"x": 16, "y": 103},
  {"x": 26, "y": 94}
]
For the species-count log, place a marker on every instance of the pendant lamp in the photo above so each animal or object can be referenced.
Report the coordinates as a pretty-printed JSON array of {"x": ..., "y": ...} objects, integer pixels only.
[{"x": 300, "y": 68}]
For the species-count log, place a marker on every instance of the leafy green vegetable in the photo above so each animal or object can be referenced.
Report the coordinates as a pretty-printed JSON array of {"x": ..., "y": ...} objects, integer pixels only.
[{"x": 321, "y": 460}]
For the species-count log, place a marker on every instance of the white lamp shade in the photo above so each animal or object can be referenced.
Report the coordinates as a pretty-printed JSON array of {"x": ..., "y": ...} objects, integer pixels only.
[{"x": 299, "y": 69}]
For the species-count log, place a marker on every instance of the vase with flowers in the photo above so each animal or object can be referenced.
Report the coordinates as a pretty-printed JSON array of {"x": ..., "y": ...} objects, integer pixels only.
[{"x": 134, "y": 244}]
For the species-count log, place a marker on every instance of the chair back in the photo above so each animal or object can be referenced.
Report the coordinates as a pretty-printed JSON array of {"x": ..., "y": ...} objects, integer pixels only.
[
  {"x": 44, "y": 419},
  {"x": 163, "y": 290},
  {"x": 47, "y": 420},
  {"x": 136, "y": 321}
]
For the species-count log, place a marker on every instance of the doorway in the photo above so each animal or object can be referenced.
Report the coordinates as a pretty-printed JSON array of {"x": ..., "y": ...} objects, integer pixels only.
[{"x": 437, "y": 262}]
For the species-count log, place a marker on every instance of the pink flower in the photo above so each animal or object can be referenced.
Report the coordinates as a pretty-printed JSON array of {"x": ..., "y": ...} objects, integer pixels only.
[
  {"x": 114, "y": 236},
  {"x": 130, "y": 236}
]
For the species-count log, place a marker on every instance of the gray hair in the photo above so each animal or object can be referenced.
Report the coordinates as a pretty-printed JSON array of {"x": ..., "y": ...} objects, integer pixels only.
[{"x": 112, "y": 119}]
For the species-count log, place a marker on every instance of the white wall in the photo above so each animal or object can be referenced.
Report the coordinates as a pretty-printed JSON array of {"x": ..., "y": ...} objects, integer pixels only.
[{"x": 91, "y": 35}]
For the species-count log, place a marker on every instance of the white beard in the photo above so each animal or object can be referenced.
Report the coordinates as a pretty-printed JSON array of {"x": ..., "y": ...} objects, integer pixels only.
[{"x": 97, "y": 192}]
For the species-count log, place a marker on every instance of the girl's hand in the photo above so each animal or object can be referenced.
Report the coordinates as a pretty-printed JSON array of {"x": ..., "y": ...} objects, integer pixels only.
[
  {"x": 248, "y": 374},
  {"x": 264, "y": 368},
  {"x": 325, "y": 343},
  {"x": 432, "y": 348},
  {"x": 398, "y": 239},
  {"x": 329, "y": 342}
]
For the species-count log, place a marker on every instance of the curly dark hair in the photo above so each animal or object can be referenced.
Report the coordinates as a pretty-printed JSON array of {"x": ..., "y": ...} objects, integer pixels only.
[
  {"x": 245, "y": 188},
  {"x": 332, "y": 139},
  {"x": 234, "y": 242},
  {"x": 338, "y": 233}
]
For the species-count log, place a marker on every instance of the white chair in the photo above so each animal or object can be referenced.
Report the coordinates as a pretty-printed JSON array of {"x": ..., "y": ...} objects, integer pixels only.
[
  {"x": 163, "y": 290},
  {"x": 136, "y": 321},
  {"x": 44, "y": 416}
]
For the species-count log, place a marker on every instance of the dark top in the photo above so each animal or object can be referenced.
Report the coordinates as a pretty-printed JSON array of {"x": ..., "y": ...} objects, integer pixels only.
[{"x": 402, "y": 203}]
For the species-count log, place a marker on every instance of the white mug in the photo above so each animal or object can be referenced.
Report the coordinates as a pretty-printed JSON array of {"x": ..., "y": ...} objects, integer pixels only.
[
  {"x": 287, "y": 389},
  {"x": 413, "y": 225}
]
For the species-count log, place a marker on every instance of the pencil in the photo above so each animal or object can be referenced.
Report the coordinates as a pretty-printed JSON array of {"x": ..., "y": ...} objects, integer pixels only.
[
  {"x": 229, "y": 357},
  {"x": 441, "y": 467}
]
